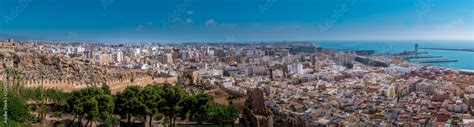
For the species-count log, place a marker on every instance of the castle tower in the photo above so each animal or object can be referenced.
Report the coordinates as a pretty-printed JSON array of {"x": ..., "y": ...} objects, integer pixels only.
[{"x": 255, "y": 109}]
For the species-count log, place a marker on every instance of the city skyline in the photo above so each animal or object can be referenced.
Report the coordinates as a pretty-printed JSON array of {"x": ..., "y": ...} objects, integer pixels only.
[
  {"x": 232, "y": 21},
  {"x": 244, "y": 63}
]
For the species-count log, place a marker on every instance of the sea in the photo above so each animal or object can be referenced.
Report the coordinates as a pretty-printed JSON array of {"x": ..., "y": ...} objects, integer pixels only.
[{"x": 465, "y": 58}]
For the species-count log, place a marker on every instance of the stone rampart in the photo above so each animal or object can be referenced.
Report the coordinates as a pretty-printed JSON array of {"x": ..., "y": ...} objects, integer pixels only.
[{"x": 115, "y": 85}]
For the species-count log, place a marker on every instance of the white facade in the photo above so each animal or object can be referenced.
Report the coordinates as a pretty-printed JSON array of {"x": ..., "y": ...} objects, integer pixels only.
[
  {"x": 119, "y": 56},
  {"x": 299, "y": 68}
]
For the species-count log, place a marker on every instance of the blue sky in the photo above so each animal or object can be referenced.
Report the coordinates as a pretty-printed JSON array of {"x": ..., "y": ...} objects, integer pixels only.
[{"x": 238, "y": 20}]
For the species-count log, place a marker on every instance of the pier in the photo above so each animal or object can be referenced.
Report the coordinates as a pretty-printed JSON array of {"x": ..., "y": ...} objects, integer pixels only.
[
  {"x": 445, "y": 49},
  {"x": 433, "y": 59},
  {"x": 436, "y": 61},
  {"x": 420, "y": 57},
  {"x": 466, "y": 50}
]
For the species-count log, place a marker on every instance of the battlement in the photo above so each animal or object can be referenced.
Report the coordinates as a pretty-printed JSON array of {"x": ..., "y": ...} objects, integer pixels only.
[
  {"x": 259, "y": 120},
  {"x": 239, "y": 100},
  {"x": 262, "y": 112},
  {"x": 115, "y": 85}
]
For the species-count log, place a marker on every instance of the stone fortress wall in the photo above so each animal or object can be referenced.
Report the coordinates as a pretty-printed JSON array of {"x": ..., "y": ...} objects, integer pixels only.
[{"x": 115, "y": 85}]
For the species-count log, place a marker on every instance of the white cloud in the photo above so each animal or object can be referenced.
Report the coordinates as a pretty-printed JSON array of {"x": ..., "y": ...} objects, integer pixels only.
[
  {"x": 149, "y": 23},
  {"x": 189, "y": 20},
  {"x": 190, "y": 12},
  {"x": 228, "y": 25},
  {"x": 210, "y": 22},
  {"x": 140, "y": 27},
  {"x": 288, "y": 27},
  {"x": 213, "y": 23},
  {"x": 458, "y": 23}
]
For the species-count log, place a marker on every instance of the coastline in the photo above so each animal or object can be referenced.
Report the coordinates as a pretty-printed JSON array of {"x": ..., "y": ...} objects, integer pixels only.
[{"x": 464, "y": 59}]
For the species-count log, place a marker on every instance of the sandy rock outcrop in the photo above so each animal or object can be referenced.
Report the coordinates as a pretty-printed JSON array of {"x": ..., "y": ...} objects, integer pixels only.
[{"x": 62, "y": 67}]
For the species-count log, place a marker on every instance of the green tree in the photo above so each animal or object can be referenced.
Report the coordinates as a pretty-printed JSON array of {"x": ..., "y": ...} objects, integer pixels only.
[
  {"x": 106, "y": 106},
  {"x": 223, "y": 114},
  {"x": 129, "y": 102},
  {"x": 173, "y": 103},
  {"x": 150, "y": 97},
  {"x": 57, "y": 96},
  {"x": 75, "y": 106},
  {"x": 111, "y": 121},
  {"x": 43, "y": 72},
  {"x": 199, "y": 107},
  {"x": 91, "y": 108},
  {"x": 106, "y": 89},
  {"x": 14, "y": 77},
  {"x": 90, "y": 103},
  {"x": 17, "y": 80},
  {"x": 30, "y": 94},
  {"x": 17, "y": 109}
]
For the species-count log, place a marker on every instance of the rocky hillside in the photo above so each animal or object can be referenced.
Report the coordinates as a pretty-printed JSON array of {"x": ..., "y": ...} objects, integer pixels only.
[{"x": 60, "y": 67}]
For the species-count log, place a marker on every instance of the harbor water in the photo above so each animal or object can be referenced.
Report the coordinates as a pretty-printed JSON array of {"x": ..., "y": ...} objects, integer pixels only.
[{"x": 465, "y": 58}]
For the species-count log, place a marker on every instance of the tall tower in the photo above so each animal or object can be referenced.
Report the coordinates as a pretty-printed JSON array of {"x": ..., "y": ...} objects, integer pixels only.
[
  {"x": 271, "y": 73},
  {"x": 416, "y": 47}
]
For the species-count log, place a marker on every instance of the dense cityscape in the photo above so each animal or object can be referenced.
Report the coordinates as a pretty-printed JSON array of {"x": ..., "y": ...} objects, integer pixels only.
[
  {"x": 268, "y": 84},
  {"x": 237, "y": 63}
]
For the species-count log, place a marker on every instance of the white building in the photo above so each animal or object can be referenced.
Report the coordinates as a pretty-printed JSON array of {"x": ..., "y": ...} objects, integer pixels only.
[
  {"x": 299, "y": 69},
  {"x": 80, "y": 49},
  {"x": 119, "y": 57}
]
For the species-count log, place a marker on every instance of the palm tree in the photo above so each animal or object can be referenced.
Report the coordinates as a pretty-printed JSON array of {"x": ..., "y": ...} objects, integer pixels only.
[
  {"x": 13, "y": 75},
  {"x": 42, "y": 72},
  {"x": 17, "y": 80},
  {"x": 7, "y": 76}
]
